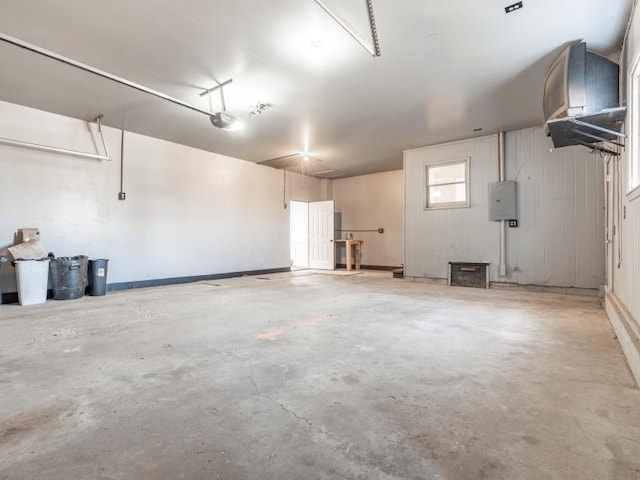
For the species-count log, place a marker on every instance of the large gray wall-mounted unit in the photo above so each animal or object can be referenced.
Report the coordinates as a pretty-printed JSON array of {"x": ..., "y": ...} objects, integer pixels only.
[
  {"x": 582, "y": 99},
  {"x": 502, "y": 198}
]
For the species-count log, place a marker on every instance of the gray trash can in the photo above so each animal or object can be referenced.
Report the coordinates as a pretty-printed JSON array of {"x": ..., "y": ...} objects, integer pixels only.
[
  {"x": 68, "y": 277},
  {"x": 98, "y": 276}
]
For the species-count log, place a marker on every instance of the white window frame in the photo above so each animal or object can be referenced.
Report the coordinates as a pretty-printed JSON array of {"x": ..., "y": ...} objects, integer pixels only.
[
  {"x": 445, "y": 163},
  {"x": 633, "y": 187}
]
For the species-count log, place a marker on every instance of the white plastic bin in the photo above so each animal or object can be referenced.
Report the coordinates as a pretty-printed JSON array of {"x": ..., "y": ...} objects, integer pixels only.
[{"x": 32, "y": 277}]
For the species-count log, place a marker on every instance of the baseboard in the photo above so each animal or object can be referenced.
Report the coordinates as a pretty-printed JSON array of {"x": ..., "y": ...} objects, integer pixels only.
[
  {"x": 385, "y": 268},
  {"x": 627, "y": 331},
  {"x": 12, "y": 297},
  {"x": 582, "y": 292},
  {"x": 160, "y": 282},
  {"x": 429, "y": 280}
]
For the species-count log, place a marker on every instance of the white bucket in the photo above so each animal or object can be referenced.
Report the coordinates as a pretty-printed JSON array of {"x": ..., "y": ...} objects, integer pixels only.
[{"x": 32, "y": 277}]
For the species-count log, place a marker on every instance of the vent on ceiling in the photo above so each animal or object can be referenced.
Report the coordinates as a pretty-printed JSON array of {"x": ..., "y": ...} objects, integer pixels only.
[
  {"x": 514, "y": 7},
  {"x": 301, "y": 163},
  {"x": 328, "y": 174}
]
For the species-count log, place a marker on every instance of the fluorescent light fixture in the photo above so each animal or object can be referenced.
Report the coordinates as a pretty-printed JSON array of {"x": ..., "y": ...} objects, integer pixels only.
[{"x": 373, "y": 50}]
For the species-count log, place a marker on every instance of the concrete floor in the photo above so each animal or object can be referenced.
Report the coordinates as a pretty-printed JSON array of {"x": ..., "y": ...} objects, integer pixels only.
[{"x": 313, "y": 376}]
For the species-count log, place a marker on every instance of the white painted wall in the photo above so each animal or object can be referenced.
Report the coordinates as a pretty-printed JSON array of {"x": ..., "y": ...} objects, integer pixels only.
[
  {"x": 560, "y": 238},
  {"x": 369, "y": 202},
  {"x": 433, "y": 237},
  {"x": 188, "y": 212}
]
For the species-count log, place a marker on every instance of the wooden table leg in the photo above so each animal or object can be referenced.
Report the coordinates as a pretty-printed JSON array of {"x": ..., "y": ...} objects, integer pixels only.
[
  {"x": 357, "y": 245},
  {"x": 348, "y": 245}
]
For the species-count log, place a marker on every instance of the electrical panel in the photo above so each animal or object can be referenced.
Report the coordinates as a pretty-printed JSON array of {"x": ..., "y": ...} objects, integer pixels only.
[{"x": 502, "y": 197}]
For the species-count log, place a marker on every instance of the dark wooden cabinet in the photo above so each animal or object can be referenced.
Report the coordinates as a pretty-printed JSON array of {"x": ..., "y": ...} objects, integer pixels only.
[{"x": 469, "y": 274}]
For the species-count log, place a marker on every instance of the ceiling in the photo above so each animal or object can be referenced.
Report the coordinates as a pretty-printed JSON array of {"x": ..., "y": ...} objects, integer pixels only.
[{"x": 446, "y": 69}]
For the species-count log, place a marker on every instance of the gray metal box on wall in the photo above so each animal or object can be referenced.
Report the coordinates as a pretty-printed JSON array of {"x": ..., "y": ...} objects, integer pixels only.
[{"x": 502, "y": 198}]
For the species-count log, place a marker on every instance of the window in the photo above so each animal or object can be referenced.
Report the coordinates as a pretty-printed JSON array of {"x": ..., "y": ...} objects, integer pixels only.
[
  {"x": 448, "y": 184},
  {"x": 634, "y": 116}
]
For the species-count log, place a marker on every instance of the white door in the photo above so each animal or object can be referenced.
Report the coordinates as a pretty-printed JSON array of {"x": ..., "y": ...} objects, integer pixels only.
[
  {"x": 321, "y": 246},
  {"x": 299, "y": 228}
]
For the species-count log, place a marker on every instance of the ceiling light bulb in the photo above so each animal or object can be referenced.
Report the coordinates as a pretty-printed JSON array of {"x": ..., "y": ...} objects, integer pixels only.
[{"x": 236, "y": 126}]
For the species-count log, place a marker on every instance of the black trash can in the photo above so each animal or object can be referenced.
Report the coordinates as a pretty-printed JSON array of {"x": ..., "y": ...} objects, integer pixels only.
[
  {"x": 98, "y": 276},
  {"x": 68, "y": 277}
]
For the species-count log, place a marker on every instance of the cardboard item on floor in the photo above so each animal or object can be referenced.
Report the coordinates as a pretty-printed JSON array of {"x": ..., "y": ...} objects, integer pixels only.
[
  {"x": 32, "y": 250},
  {"x": 28, "y": 234}
]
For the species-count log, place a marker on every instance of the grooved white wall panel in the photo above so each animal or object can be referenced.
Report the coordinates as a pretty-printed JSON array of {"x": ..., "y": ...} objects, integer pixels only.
[
  {"x": 626, "y": 281},
  {"x": 560, "y": 238},
  {"x": 433, "y": 237}
]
